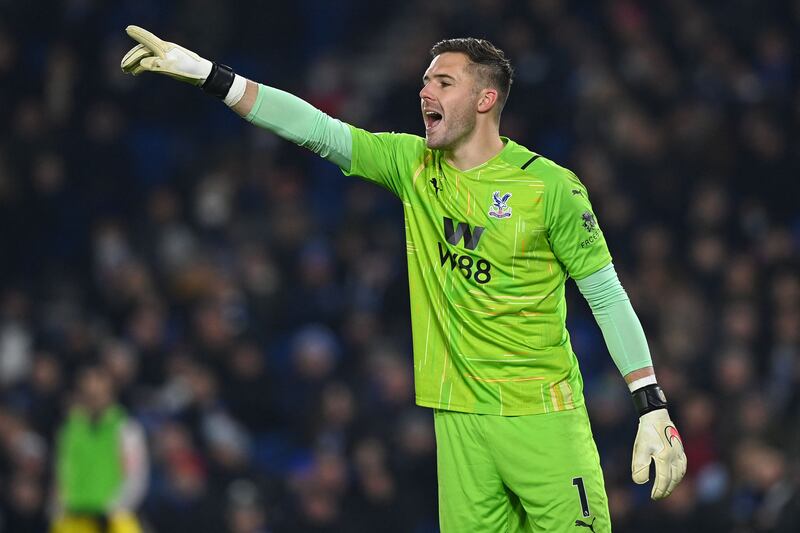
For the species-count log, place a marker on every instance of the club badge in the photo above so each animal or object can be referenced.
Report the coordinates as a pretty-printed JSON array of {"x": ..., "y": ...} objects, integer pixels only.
[{"x": 499, "y": 208}]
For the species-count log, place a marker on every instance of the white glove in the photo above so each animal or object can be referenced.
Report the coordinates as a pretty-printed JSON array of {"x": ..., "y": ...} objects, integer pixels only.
[
  {"x": 659, "y": 440},
  {"x": 155, "y": 55}
]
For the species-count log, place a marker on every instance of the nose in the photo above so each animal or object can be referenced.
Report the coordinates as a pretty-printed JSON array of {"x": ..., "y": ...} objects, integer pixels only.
[{"x": 425, "y": 92}]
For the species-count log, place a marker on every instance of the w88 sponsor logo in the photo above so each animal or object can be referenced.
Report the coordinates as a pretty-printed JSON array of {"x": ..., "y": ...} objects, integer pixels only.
[
  {"x": 482, "y": 272},
  {"x": 454, "y": 233}
]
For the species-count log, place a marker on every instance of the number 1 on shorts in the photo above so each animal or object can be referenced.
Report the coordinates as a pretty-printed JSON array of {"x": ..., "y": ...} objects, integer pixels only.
[{"x": 578, "y": 482}]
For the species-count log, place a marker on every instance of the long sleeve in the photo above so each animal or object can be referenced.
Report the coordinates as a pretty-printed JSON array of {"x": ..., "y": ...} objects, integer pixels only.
[
  {"x": 136, "y": 468},
  {"x": 296, "y": 120},
  {"x": 614, "y": 313}
]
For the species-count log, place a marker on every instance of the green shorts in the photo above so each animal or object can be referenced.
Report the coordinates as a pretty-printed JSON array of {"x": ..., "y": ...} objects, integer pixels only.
[{"x": 534, "y": 473}]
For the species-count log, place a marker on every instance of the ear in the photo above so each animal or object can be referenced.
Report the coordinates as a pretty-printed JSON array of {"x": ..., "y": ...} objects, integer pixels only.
[{"x": 487, "y": 100}]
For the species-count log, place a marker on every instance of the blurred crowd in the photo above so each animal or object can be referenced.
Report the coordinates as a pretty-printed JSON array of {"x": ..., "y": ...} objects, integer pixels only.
[{"x": 251, "y": 304}]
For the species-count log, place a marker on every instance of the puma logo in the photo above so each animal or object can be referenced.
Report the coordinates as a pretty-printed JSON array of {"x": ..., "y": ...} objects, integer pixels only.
[{"x": 581, "y": 523}]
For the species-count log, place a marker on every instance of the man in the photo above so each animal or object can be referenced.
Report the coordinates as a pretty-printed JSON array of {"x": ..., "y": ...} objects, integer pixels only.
[
  {"x": 493, "y": 231},
  {"x": 101, "y": 462}
]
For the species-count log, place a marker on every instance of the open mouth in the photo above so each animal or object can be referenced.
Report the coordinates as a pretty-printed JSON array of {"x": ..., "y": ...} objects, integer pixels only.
[{"x": 432, "y": 119}]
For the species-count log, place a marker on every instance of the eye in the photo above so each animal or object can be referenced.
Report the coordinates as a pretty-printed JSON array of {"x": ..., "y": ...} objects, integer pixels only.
[{"x": 446, "y": 84}]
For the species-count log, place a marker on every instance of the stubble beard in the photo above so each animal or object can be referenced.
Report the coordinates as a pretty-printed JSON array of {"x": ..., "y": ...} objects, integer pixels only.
[{"x": 461, "y": 124}]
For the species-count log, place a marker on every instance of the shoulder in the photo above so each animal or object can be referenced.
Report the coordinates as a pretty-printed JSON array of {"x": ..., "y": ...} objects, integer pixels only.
[
  {"x": 77, "y": 413},
  {"x": 406, "y": 139},
  {"x": 115, "y": 415},
  {"x": 541, "y": 168},
  {"x": 412, "y": 143},
  {"x": 404, "y": 144}
]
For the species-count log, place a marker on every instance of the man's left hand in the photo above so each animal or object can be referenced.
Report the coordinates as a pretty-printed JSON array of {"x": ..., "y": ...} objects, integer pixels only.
[{"x": 658, "y": 440}]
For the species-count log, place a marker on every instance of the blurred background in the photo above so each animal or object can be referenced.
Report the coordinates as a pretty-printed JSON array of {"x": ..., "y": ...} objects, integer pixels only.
[{"x": 250, "y": 304}]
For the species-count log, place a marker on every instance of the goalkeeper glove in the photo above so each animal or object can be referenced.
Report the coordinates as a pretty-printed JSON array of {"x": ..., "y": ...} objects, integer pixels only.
[
  {"x": 656, "y": 440},
  {"x": 154, "y": 55}
]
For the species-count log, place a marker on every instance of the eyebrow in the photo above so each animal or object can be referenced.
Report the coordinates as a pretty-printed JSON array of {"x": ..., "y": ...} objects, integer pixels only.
[{"x": 425, "y": 78}]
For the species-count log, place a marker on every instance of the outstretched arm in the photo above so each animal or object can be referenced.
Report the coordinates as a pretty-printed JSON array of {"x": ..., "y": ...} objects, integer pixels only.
[{"x": 280, "y": 112}]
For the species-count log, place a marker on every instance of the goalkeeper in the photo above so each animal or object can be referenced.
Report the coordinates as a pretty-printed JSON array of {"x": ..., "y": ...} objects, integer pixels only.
[{"x": 493, "y": 232}]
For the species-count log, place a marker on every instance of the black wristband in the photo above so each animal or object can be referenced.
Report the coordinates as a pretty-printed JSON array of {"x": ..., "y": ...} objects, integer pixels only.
[
  {"x": 649, "y": 398},
  {"x": 219, "y": 81}
]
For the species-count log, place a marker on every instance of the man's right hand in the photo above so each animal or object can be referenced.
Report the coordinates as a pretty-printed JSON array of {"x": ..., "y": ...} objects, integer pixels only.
[{"x": 154, "y": 55}]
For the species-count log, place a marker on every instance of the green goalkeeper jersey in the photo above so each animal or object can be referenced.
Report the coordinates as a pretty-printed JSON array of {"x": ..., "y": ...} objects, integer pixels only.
[{"x": 489, "y": 250}]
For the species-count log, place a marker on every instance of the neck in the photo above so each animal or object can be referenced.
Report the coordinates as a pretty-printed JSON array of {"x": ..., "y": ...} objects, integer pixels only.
[{"x": 483, "y": 144}]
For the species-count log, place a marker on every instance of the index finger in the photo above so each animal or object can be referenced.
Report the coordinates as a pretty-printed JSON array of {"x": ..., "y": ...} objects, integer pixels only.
[
  {"x": 662, "y": 481},
  {"x": 150, "y": 41}
]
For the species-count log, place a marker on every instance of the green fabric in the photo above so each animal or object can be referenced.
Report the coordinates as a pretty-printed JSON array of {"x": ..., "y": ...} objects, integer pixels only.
[
  {"x": 487, "y": 280},
  {"x": 614, "y": 313},
  {"x": 90, "y": 470},
  {"x": 517, "y": 474},
  {"x": 298, "y": 121}
]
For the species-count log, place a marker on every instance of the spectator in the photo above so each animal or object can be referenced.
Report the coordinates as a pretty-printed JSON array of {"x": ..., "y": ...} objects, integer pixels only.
[{"x": 102, "y": 467}]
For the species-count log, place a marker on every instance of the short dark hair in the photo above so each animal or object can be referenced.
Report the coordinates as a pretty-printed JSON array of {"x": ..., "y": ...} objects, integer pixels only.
[{"x": 490, "y": 62}]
